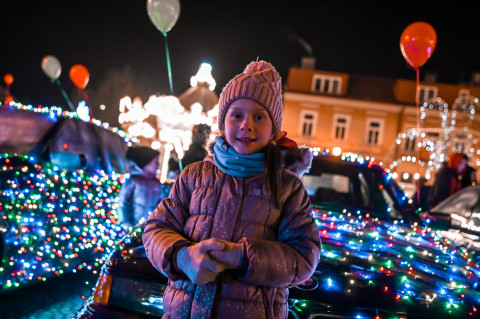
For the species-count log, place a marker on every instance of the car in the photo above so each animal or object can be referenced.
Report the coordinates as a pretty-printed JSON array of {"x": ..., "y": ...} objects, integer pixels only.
[
  {"x": 458, "y": 217},
  {"x": 59, "y": 181},
  {"x": 378, "y": 260}
]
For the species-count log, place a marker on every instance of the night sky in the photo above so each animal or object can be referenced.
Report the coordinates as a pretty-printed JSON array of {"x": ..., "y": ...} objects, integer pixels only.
[{"x": 359, "y": 37}]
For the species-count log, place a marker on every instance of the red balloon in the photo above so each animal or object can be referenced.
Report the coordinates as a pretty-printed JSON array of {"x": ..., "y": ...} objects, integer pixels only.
[
  {"x": 79, "y": 76},
  {"x": 8, "y": 79},
  {"x": 417, "y": 43}
]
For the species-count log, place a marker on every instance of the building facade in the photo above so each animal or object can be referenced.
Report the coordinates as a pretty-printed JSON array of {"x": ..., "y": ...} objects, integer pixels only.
[{"x": 380, "y": 118}]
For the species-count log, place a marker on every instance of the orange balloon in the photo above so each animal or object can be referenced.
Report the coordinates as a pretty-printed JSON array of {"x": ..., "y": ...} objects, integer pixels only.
[
  {"x": 417, "y": 43},
  {"x": 8, "y": 79},
  {"x": 79, "y": 76}
]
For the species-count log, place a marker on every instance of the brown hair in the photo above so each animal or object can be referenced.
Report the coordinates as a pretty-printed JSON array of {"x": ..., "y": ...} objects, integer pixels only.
[{"x": 273, "y": 171}]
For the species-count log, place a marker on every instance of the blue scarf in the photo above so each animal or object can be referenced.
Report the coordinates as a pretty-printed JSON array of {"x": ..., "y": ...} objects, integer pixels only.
[{"x": 232, "y": 163}]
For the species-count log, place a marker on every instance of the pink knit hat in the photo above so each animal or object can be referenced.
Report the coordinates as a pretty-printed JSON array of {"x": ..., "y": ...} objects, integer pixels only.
[{"x": 259, "y": 82}]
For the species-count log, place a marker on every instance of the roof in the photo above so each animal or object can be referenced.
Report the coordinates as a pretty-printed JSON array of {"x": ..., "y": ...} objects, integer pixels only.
[{"x": 201, "y": 94}]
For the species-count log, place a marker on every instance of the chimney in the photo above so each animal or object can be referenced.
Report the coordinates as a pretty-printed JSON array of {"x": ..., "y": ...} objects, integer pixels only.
[
  {"x": 308, "y": 63},
  {"x": 476, "y": 78}
]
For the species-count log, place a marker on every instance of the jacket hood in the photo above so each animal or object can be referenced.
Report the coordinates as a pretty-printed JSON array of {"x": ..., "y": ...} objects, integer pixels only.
[{"x": 297, "y": 160}]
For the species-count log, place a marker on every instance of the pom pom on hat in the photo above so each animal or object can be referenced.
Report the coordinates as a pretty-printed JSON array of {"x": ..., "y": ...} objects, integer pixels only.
[{"x": 259, "y": 82}]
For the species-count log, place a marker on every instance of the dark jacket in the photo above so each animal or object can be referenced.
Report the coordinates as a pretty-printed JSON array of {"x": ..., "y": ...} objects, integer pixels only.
[
  {"x": 282, "y": 245},
  {"x": 139, "y": 195},
  {"x": 446, "y": 184}
]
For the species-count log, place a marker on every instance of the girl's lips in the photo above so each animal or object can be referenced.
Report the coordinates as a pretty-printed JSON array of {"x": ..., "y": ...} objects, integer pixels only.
[{"x": 246, "y": 140}]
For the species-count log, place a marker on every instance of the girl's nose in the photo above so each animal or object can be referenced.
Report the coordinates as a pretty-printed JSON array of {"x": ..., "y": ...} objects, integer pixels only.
[{"x": 246, "y": 126}]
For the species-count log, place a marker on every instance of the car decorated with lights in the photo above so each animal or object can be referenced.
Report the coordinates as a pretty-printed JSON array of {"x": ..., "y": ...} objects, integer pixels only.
[
  {"x": 59, "y": 180},
  {"x": 458, "y": 217},
  {"x": 378, "y": 259}
]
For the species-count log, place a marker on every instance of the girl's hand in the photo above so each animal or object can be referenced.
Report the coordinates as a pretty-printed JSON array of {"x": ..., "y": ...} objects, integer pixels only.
[
  {"x": 232, "y": 256},
  {"x": 196, "y": 262}
]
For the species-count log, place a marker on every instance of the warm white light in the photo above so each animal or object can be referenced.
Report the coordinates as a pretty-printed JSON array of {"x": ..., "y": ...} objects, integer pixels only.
[
  {"x": 336, "y": 151},
  {"x": 166, "y": 107},
  {"x": 204, "y": 74},
  {"x": 125, "y": 104},
  {"x": 136, "y": 112},
  {"x": 174, "y": 123},
  {"x": 156, "y": 145},
  {"x": 166, "y": 157},
  {"x": 142, "y": 129},
  {"x": 83, "y": 111}
]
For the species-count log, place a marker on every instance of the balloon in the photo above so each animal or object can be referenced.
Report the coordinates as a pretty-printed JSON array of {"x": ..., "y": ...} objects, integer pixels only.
[
  {"x": 8, "y": 79},
  {"x": 51, "y": 67},
  {"x": 417, "y": 43},
  {"x": 79, "y": 76},
  {"x": 163, "y": 13}
]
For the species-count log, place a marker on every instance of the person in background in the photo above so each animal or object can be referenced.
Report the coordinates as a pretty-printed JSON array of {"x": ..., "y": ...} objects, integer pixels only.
[
  {"x": 469, "y": 177},
  {"x": 141, "y": 192},
  {"x": 420, "y": 196},
  {"x": 447, "y": 180},
  {"x": 237, "y": 230},
  {"x": 173, "y": 165},
  {"x": 196, "y": 151}
]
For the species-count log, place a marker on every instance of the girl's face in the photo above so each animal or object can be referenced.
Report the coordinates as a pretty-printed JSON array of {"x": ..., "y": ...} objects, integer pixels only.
[{"x": 248, "y": 127}]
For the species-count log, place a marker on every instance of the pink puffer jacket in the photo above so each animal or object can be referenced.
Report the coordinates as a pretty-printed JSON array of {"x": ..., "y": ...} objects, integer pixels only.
[{"x": 282, "y": 245}]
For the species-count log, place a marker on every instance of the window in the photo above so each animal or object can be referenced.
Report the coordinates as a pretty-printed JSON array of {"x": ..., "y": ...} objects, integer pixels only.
[
  {"x": 374, "y": 131},
  {"x": 426, "y": 93},
  {"x": 410, "y": 143},
  {"x": 326, "y": 84},
  {"x": 463, "y": 96},
  {"x": 307, "y": 123},
  {"x": 433, "y": 136},
  {"x": 340, "y": 127}
]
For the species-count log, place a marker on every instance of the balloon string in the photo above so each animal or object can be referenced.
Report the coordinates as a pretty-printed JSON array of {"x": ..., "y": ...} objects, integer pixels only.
[
  {"x": 85, "y": 97},
  {"x": 417, "y": 97},
  {"x": 168, "y": 63},
  {"x": 65, "y": 96}
]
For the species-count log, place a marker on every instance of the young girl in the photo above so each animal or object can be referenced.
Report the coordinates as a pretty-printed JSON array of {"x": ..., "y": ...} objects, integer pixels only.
[{"x": 236, "y": 230}]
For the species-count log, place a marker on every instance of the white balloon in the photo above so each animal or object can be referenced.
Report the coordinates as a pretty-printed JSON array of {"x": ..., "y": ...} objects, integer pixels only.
[
  {"x": 51, "y": 67},
  {"x": 163, "y": 13}
]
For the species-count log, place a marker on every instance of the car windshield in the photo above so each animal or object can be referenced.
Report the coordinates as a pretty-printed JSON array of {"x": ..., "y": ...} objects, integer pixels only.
[
  {"x": 21, "y": 130},
  {"x": 354, "y": 185}
]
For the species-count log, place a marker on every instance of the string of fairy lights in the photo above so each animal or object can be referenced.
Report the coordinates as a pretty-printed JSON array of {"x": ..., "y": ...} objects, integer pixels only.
[
  {"x": 53, "y": 220},
  {"x": 422, "y": 267},
  {"x": 55, "y": 112}
]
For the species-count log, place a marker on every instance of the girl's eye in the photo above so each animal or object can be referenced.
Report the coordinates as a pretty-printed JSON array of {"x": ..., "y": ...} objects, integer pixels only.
[{"x": 260, "y": 117}]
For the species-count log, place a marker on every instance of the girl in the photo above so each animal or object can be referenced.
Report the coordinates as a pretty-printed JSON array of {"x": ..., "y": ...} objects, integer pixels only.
[{"x": 236, "y": 230}]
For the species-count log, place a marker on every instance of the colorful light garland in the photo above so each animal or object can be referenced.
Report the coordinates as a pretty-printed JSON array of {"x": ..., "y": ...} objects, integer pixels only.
[
  {"x": 54, "y": 221},
  {"x": 406, "y": 265}
]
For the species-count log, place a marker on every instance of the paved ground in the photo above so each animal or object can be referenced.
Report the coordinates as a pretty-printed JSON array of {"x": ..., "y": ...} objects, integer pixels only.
[{"x": 58, "y": 298}]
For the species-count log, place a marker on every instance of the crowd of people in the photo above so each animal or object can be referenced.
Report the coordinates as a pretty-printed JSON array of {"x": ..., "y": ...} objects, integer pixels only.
[{"x": 454, "y": 175}]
